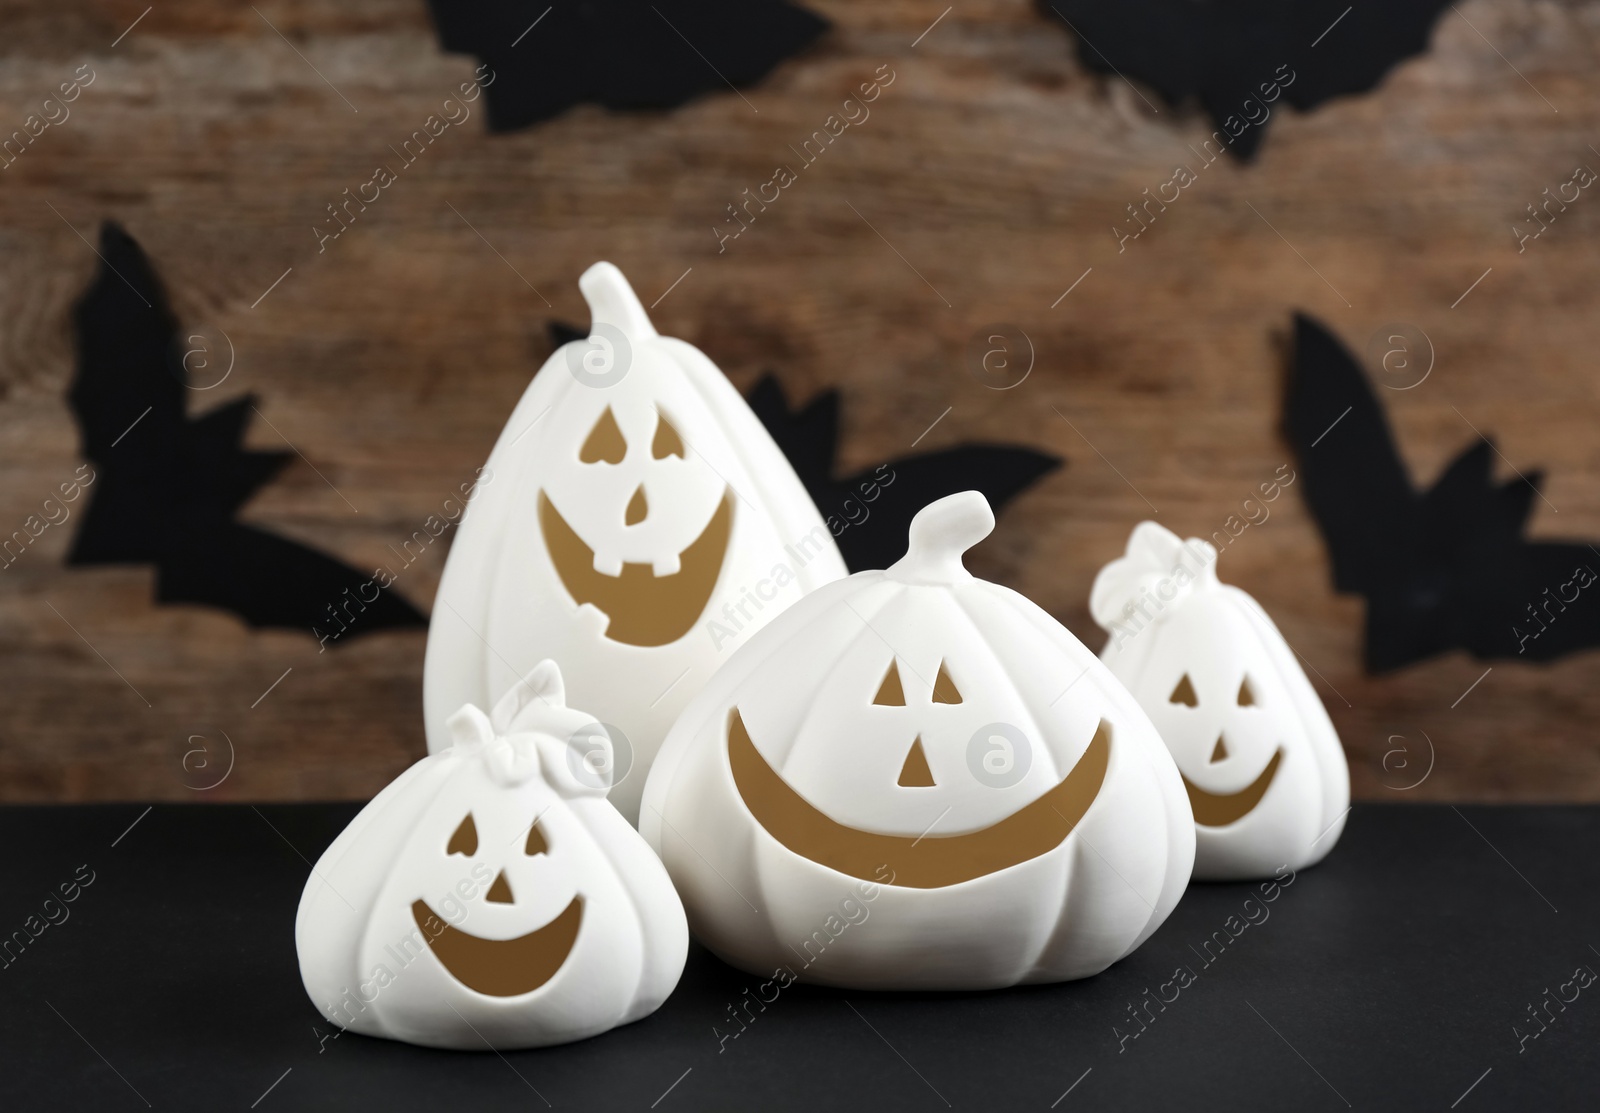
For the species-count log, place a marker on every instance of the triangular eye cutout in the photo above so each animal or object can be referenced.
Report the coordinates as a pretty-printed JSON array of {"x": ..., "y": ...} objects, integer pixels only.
[
  {"x": 465, "y": 839},
  {"x": 944, "y": 689},
  {"x": 1220, "y": 752},
  {"x": 1184, "y": 693},
  {"x": 667, "y": 441},
  {"x": 915, "y": 772},
  {"x": 890, "y": 693},
  {"x": 605, "y": 442},
  {"x": 536, "y": 841},
  {"x": 1247, "y": 698}
]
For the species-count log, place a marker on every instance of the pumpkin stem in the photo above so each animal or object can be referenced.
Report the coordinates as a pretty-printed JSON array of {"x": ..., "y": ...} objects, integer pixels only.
[
  {"x": 940, "y": 533},
  {"x": 613, "y": 302}
]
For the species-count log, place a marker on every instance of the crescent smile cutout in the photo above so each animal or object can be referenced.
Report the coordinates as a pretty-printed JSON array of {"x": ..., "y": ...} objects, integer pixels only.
[
  {"x": 928, "y": 861},
  {"x": 501, "y": 967},
  {"x": 643, "y": 609},
  {"x": 1212, "y": 809}
]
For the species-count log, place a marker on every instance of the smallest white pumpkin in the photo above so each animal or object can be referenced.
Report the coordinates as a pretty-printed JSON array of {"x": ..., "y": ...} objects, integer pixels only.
[
  {"x": 1265, "y": 773},
  {"x": 491, "y": 896}
]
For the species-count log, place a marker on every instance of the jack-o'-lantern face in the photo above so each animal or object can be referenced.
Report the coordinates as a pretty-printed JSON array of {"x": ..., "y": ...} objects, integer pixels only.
[
  {"x": 636, "y": 528},
  {"x": 496, "y": 967},
  {"x": 1226, "y": 717},
  {"x": 928, "y": 742},
  {"x": 1220, "y": 808}
]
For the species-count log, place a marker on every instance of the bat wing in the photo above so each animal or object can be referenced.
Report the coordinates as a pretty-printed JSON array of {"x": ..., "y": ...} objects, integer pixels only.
[
  {"x": 1243, "y": 59},
  {"x": 623, "y": 54},
  {"x": 808, "y": 436},
  {"x": 1544, "y": 605},
  {"x": 272, "y": 582},
  {"x": 904, "y": 486},
  {"x": 870, "y": 512},
  {"x": 1354, "y": 479}
]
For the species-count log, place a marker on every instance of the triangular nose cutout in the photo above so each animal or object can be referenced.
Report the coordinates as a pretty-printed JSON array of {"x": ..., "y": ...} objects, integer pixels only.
[
  {"x": 915, "y": 772},
  {"x": 1220, "y": 753},
  {"x": 638, "y": 508},
  {"x": 500, "y": 891}
]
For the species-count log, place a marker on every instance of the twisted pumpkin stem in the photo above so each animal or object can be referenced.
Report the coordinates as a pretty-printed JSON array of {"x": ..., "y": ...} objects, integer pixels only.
[{"x": 940, "y": 533}]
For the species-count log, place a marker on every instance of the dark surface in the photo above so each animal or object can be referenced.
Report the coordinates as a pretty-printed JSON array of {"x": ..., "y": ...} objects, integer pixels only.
[
  {"x": 1397, "y": 969},
  {"x": 1445, "y": 567}
]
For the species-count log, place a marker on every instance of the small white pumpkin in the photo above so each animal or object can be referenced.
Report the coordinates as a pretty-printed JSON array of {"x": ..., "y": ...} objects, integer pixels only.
[
  {"x": 914, "y": 779},
  {"x": 1265, "y": 774},
  {"x": 635, "y": 522},
  {"x": 490, "y": 896}
]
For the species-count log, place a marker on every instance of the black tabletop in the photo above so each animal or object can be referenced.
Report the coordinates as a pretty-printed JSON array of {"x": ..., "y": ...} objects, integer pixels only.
[{"x": 1439, "y": 958}]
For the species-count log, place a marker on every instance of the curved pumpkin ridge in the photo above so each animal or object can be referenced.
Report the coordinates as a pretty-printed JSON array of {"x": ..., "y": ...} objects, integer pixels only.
[{"x": 927, "y": 861}]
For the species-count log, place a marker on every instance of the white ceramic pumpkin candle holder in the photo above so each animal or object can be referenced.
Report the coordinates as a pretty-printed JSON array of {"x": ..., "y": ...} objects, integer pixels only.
[
  {"x": 1265, "y": 774},
  {"x": 914, "y": 779},
  {"x": 490, "y": 896},
  {"x": 635, "y": 522}
]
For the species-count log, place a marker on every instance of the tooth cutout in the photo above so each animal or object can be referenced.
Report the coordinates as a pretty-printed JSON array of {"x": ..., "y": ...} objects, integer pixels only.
[
  {"x": 890, "y": 693},
  {"x": 465, "y": 838},
  {"x": 1184, "y": 693},
  {"x": 667, "y": 441},
  {"x": 500, "y": 891},
  {"x": 944, "y": 689},
  {"x": 536, "y": 841},
  {"x": 915, "y": 772},
  {"x": 604, "y": 443},
  {"x": 641, "y": 607},
  {"x": 638, "y": 508},
  {"x": 1220, "y": 753},
  {"x": 1247, "y": 698}
]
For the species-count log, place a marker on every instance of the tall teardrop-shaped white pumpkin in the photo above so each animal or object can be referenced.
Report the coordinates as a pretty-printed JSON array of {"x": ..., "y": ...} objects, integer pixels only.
[
  {"x": 490, "y": 896},
  {"x": 1265, "y": 774},
  {"x": 914, "y": 779},
  {"x": 635, "y": 522}
]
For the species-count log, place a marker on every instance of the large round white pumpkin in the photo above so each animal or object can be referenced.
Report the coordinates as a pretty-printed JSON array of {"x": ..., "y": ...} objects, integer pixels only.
[
  {"x": 491, "y": 896},
  {"x": 914, "y": 779},
  {"x": 1265, "y": 774},
  {"x": 635, "y": 522}
]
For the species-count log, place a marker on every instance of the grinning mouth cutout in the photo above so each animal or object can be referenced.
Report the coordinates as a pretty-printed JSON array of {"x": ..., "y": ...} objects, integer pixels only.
[
  {"x": 641, "y": 607},
  {"x": 501, "y": 967},
  {"x": 926, "y": 861},
  {"x": 1213, "y": 809}
]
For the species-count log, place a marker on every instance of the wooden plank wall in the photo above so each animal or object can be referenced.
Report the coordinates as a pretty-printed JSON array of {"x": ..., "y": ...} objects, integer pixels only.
[{"x": 994, "y": 166}]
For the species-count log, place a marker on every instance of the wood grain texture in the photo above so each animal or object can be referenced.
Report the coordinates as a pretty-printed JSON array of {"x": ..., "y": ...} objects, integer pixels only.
[{"x": 985, "y": 182}]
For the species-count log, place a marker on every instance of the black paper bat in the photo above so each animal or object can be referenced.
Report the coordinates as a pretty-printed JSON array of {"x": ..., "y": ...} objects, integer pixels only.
[
  {"x": 1229, "y": 52},
  {"x": 870, "y": 512},
  {"x": 168, "y": 486},
  {"x": 1443, "y": 568},
  {"x": 625, "y": 54}
]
